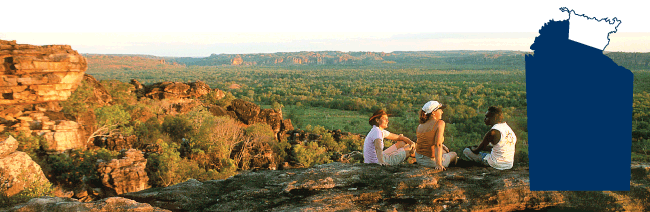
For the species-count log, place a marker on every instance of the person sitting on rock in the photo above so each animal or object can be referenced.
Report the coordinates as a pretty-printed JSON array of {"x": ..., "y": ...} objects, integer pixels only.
[
  {"x": 502, "y": 154},
  {"x": 430, "y": 137},
  {"x": 374, "y": 144}
]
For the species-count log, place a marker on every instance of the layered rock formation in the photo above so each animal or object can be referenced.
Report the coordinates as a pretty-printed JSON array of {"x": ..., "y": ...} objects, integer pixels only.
[
  {"x": 117, "y": 142},
  {"x": 406, "y": 187},
  {"x": 175, "y": 90},
  {"x": 34, "y": 74},
  {"x": 17, "y": 169},
  {"x": 34, "y": 80},
  {"x": 60, "y": 135},
  {"x": 126, "y": 174}
]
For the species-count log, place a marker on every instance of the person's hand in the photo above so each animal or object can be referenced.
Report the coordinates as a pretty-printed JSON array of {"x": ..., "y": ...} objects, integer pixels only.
[
  {"x": 440, "y": 167},
  {"x": 383, "y": 164},
  {"x": 445, "y": 148}
]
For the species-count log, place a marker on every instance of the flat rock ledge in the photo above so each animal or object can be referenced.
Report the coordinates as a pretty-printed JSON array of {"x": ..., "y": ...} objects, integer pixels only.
[{"x": 370, "y": 187}]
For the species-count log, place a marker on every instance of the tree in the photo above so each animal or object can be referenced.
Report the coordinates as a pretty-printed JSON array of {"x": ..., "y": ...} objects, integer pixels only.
[{"x": 111, "y": 120}]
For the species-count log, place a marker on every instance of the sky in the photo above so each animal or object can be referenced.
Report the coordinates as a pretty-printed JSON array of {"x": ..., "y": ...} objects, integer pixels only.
[{"x": 200, "y": 28}]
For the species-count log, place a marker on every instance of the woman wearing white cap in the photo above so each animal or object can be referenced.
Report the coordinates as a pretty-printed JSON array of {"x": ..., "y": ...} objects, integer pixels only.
[{"x": 430, "y": 151}]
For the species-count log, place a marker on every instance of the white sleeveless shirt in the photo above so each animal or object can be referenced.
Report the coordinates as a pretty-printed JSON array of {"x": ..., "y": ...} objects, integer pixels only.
[{"x": 503, "y": 153}]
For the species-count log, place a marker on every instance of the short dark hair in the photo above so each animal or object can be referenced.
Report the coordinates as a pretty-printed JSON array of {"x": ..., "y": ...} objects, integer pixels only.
[
  {"x": 495, "y": 112},
  {"x": 376, "y": 116}
]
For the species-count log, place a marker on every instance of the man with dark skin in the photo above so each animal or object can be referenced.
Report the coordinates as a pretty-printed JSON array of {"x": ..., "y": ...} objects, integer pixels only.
[{"x": 503, "y": 142}]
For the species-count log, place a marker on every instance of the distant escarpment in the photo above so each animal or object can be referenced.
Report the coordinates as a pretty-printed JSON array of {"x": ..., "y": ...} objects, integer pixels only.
[
  {"x": 36, "y": 74},
  {"x": 502, "y": 58}
]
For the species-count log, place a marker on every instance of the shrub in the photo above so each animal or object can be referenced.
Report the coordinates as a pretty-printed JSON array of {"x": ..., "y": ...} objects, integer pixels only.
[
  {"x": 168, "y": 168},
  {"x": 310, "y": 154},
  {"x": 211, "y": 99},
  {"x": 70, "y": 169},
  {"x": 121, "y": 92},
  {"x": 202, "y": 137},
  {"x": 177, "y": 128},
  {"x": 78, "y": 102},
  {"x": 111, "y": 120},
  {"x": 148, "y": 132},
  {"x": 29, "y": 144}
]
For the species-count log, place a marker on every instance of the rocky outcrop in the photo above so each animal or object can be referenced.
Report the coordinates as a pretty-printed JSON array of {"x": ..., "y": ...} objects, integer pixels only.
[
  {"x": 245, "y": 111},
  {"x": 126, "y": 174},
  {"x": 217, "y": 110},
  {"x": 286, "y": 126},
  {"x": 139, "y": 88},
  {"x": 167, "y": 90},
  {"x": 175, "y": 90},
  {"x": 406, "y": 187},
  {"x": 33, "y": 74},
  {"x": 17, "y": 169},
  {"x": 59, "y": 135},
  {"x": 271, "y": 117},
  {"x": 236, "y": 61},
  {"x": 198, "y": 89},
  {"x": 68, "y": 204},
  {"x": 117, "y": 142},
  {"x": 100, "y": 94}
]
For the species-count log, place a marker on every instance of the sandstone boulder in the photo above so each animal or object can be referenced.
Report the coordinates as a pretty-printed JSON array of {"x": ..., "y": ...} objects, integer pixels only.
[
  {"x": 17, "y": 169},
  {"x": 139, "y": 88},
  {"x": 218, "y": 93},
  {"x": 126, "y": 174},
  {"x": 198, "y": 89},
  {"x": 8, "y": 145},
  {"x": 68, "y": 204},
  {"x": 60, "y": 135},
  {"x": 117, "y": 142},
  {"x": 100, "y": 94},
  {"x": 271, "y": 117},
  {"x": 217, "y": 110},
  {"x": 33, "y": 74},
  {"x": 172, "y": 90},
  {"x": 246, "y": 111}
]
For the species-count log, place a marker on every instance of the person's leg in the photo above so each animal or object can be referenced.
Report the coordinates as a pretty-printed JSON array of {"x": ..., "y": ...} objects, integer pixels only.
[
  {"x": 399, "y": 144},
  {"x": 424, "y": 160},
  {"x": 410, "y": 149},
  {"x": 484, "y": 159},
  {"x": 446, "y": 159},
  {"x": 454, "y": 158},
  {"x": 395, "y": 157},
  {"x": 471, "y": 156}
]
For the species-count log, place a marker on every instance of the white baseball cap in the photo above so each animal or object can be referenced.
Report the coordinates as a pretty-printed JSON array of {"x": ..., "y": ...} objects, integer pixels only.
[{"x": 432, "y": 106}]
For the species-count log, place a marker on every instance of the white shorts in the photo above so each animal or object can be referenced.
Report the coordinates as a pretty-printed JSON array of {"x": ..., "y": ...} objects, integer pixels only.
[{"x": 394, "y": 156}]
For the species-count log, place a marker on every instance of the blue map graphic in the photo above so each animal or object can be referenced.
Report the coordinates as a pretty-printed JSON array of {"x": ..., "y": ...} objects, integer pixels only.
[{"x": 579, "y": 115}]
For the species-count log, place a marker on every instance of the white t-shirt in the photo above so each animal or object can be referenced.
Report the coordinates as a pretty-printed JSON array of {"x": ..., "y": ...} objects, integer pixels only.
[
  {"x": 369, "y": 153},
  {"x": 503, "y": 153}
]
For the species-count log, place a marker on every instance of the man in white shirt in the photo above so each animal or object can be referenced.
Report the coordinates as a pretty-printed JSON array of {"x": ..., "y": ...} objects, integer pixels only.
[{"x": 503, "y": 139}]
